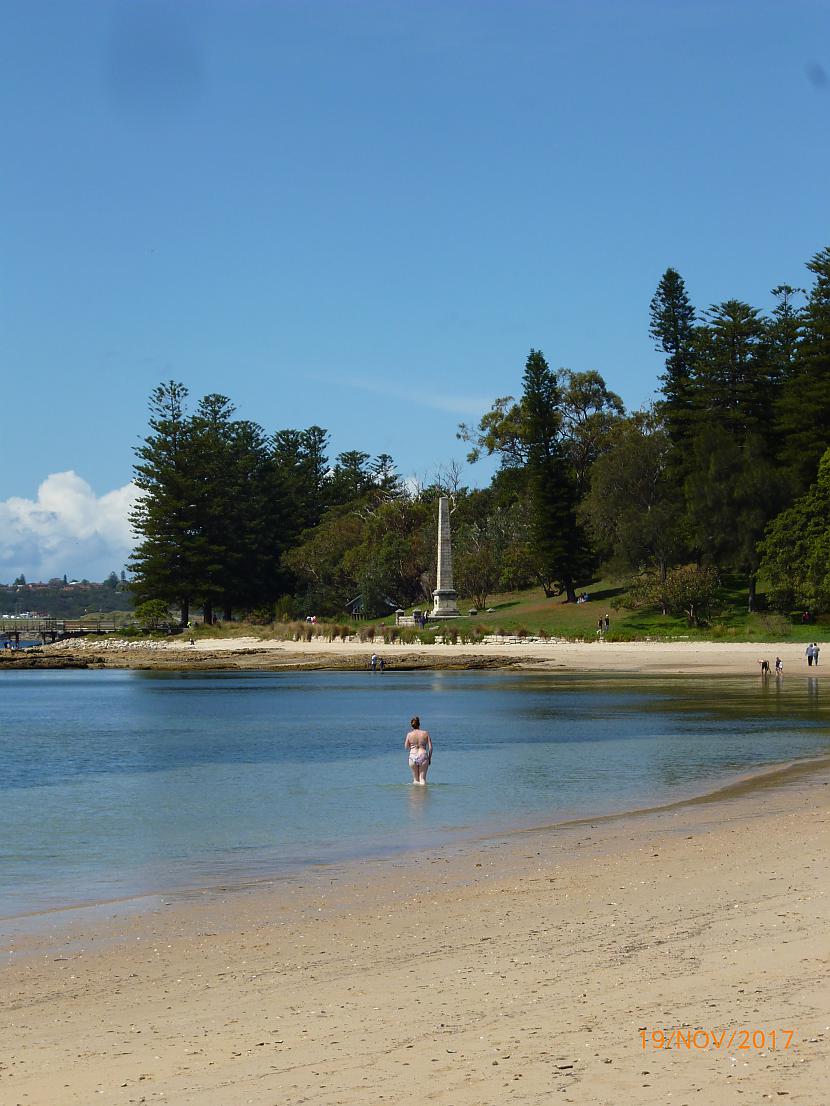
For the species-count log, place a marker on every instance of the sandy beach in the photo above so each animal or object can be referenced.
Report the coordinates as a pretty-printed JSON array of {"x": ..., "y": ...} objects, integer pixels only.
[
  {"x": 539, "y": 968},
  {"x": 706, "y": 657}
]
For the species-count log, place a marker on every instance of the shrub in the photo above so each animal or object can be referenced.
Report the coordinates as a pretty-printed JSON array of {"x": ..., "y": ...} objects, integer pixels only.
[
  {"x": 776, "y": 626},
  {"x": 261, "y": 616},
  {"x": 285, "y": 608},
  {"x": 153, "y": 614}
]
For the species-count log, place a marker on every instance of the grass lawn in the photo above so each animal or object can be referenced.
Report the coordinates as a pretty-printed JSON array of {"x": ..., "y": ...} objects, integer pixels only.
[{"x": 531, "y": 611}]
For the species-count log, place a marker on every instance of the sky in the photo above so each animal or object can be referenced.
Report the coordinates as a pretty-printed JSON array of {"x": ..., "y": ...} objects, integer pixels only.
[{"x": 362, "y": 215}]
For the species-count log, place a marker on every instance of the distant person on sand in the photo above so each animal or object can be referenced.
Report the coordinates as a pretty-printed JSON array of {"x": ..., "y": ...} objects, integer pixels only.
[
  {"x": 779, "y": 667},
  {"x": 810, "y": 653},
  {"x": 419, "y": 744},
  {"x": 816, "y": 648},
  {"x": 764, "y": 667}
]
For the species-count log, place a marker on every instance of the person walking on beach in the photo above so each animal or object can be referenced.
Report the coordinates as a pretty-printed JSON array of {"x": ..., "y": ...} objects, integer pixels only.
[
  {"x": 779, "y": 667},
  {"x": 373, "y": 663},
  {"x": 419, "y": 744},
  {"x": 816, "y": 648},
  {"x": 810, "y": 652}
]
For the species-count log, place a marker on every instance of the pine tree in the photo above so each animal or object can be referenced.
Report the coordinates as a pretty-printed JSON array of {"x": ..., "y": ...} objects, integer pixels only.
[
  {"x": 301, "y": 456},
  {"x": 242, "y": 513},
  {"x": 560, "y": 547},
  {"x": 672, "y": 326},
  {"x": 734, "y": 381},
  {"x": 166, "y": 559},
  {"x": 796, "y": 548},
  {"x": 784, "y": 331},
  {"x": 804, "y": 407},
  {"x": 730, "y": 487}
]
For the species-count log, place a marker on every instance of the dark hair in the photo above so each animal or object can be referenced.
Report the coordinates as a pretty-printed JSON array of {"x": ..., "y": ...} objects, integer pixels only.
[{"x": 415, "y": 722}]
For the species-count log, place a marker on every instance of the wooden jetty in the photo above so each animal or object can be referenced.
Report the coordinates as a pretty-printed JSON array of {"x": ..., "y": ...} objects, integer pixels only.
[{"x": 54, "y": 629}]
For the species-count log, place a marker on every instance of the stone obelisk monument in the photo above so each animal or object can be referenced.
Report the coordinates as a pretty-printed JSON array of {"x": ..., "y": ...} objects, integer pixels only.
[{"x": 445, "y": 595}]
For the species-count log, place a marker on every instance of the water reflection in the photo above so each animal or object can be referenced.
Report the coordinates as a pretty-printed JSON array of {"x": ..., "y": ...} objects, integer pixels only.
[{"x": 119, "y": 781}]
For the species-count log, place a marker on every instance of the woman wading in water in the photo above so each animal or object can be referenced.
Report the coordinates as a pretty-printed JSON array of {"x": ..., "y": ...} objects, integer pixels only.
[{"x": 419, "y": 744}]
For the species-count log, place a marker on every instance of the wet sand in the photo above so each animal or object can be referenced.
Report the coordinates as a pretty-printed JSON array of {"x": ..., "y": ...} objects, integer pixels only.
[{"x": 528, "y": 969}]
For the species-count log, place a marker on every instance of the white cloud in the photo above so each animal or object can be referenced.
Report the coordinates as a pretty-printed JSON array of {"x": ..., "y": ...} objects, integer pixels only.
[{"x": 67, "y": 529}]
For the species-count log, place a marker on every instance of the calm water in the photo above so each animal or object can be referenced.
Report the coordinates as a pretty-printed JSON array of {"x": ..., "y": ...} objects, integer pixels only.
[{"x": 116, "y": 783}]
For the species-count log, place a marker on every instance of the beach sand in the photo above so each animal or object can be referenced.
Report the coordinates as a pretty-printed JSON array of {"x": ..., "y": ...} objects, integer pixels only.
[
  {"x": 707, "y": 658},
  {"x": 522, "y": 970}
]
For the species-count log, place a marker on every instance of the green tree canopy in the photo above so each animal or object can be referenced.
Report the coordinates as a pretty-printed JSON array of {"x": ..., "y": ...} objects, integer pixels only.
[
  {"x": 795, "y": 551},
  {"x": 633, "y": 507}
]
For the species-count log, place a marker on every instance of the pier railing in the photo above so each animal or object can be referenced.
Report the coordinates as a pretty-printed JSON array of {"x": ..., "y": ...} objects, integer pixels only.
[{"x": 57, "y": 627}]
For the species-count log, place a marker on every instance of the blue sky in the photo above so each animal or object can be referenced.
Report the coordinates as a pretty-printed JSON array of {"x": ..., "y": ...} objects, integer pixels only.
[{"x": 363, "y": 215}]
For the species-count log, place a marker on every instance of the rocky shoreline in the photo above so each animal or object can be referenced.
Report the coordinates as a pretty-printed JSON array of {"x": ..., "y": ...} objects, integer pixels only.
[{"x": 154, "y": 655}]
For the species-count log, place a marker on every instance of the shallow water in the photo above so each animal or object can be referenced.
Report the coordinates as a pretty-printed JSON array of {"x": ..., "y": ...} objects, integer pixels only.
[{"x": 116, "y": 783}]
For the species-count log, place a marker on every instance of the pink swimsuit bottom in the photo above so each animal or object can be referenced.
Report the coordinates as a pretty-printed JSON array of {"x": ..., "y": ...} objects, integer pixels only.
[{"x": 417, "y": 757}]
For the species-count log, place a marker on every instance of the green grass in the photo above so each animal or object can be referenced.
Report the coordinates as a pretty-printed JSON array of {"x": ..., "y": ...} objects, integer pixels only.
[
  {"x": 730, "y": 621},
  {"x": 530, "y": 611}
]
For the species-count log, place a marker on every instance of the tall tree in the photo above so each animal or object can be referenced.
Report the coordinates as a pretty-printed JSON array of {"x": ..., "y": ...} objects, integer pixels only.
[
  {"x": 730, "y": 488},
  {"x": 795, "y": 551},
  {"x": 384, "y": 475},
  {"x": 166, "y": 560},
  {"x": 735, "y": 375},
  {"x": 633, "y": 506},
  {"x": 589, "y": 411},
  {"x": 217, "y": 508},
  {"x": 784, "y": 331},
  {"x": 302, "y": 457},
  {"x": 731, "y": 493},
  {"x": 350, "y": 478},
  {"x": 672, "y": 327},
  {"x": 560, "y": 545},
  {"x": 804, "y": 407},
  {"x": 537, "y": 438}
]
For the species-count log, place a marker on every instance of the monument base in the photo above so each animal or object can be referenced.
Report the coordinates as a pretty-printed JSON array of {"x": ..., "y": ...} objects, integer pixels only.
[{"x": 445, "y": 605}]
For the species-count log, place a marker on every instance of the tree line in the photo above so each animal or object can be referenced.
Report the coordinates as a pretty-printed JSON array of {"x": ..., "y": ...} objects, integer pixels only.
[{"x": 726, "y": 471}]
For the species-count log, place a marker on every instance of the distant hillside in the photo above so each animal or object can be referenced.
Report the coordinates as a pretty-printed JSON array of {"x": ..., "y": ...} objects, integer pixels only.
[{"x": 71, "y": 600}]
